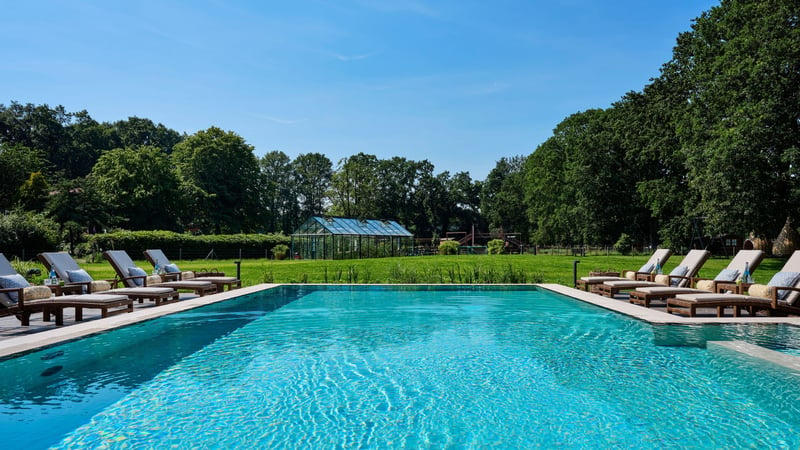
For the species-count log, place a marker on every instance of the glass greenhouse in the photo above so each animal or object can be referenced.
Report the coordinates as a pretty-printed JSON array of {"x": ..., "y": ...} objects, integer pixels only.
[{"x": 347, "y": 238}]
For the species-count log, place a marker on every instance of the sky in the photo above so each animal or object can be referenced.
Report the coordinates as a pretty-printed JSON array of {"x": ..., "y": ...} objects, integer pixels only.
[{"x": 459, "y": 83}]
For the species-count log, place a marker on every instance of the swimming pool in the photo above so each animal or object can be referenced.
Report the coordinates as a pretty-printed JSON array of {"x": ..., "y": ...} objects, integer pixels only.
[{"x": 382, "y": 367}]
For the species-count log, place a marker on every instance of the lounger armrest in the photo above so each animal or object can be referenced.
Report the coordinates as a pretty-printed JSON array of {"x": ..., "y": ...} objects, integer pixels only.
[
  {"x": 775, "y": 290},
  {"x": 78, "y": 283}
]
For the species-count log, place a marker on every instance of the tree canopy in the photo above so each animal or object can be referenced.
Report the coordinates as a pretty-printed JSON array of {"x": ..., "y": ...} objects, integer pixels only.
[{"x": 715, "y": 137}]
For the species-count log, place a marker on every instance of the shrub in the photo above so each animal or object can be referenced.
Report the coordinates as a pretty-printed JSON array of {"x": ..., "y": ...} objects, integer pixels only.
[
  {"x": 27, "y": 233},
  {"x": 448, "y": 248},
  {"x": 624, "y": 245},
  {"x": 189, "y": 246},
  {"x": 495, "y": 246},
  {"x": 280, "y": 251}
]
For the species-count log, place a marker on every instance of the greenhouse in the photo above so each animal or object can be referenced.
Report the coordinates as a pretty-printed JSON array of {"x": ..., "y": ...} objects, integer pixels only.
[{"x": 347, "y": 238}]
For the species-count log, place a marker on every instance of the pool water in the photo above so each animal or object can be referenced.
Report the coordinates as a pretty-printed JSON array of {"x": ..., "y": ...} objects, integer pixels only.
[{"x": 379, "y": 367}]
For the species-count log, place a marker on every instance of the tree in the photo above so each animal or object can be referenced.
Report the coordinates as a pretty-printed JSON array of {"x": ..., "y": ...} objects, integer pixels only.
[
  {"x": 143, "y": 132},
  {"x": 313, "y": 172},
  {"x": 278, "y": 193},
  {"x": 138, "y": 184},
  {"x": 355, "y": 187},
  {"x": 33, "y": 192},
  {"x": 17, "y": 163},
  {"x": 221, "y": 174},
  {"x": 739, "y": 134},
  {"x": 77, "y": 202},
  {"x": 502, "y": 196}
]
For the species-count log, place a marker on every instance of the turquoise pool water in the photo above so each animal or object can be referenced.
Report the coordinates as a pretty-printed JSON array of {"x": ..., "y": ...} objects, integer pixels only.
[{"x": 376, "y": 367}]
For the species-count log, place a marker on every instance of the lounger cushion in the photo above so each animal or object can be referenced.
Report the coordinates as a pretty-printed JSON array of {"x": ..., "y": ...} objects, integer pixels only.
[
  {"x": 171, "y": 268},
  {"x": 36, "y": 292},
  {"x": 727, "y": 275},
  {"x": 784, "y": 279},
  {"x": 100, "y": 286},
  {"x": 14, "y": 281},
  {"x": 760, "y": 290},
  {"x": 137, "y": 272},
  {"x": 706, "y": 285},
  {"x": 79, "y": 276}
]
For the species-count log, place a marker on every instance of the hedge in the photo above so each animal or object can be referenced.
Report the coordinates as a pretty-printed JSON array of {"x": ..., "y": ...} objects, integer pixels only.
[{"x": 188, "y": 246}]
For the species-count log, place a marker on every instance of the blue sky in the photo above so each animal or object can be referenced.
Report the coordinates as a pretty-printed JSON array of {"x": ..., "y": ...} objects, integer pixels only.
[{"x": 460, "y": 83}]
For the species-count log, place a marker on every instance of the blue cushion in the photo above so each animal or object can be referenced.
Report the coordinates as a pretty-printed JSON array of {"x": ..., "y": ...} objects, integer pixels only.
[
  {"x": 78, "y": 276},
  {"x": 678, "y": 272},
  {"x": 727, "y": 275},
  {"x": 171, "y": 268},
  {"x": 787, "y": 279},
  {"x": 137, "y": 272},
  {"x": 647, "y": 268},
  {"x": 13, "y": 282}
]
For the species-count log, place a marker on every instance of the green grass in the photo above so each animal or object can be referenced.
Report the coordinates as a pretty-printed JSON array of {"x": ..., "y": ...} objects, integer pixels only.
[{"x": 434, "y": 269}]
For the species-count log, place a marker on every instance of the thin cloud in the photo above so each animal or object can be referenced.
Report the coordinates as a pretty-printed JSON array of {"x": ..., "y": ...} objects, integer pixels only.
[
  {"x": 280, "y": 120},
  {"x": 391, "y": 6},
  {"x": 348, "y": 58}
]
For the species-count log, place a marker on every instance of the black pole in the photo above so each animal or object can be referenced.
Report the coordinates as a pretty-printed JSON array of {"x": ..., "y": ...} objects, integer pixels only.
[
  {"x": 575, "y": 272},
  {"x": 238, "y": 269}
]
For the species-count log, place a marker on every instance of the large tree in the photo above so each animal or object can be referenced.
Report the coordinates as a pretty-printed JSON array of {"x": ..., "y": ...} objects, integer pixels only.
[
  {"x": 278, "y": 193},
  {"x": 220, "y": 173},
  {"x": 740, "y": 134},
  {"x": 138, "y": 184},
  {"x": 312, "y": 172}
]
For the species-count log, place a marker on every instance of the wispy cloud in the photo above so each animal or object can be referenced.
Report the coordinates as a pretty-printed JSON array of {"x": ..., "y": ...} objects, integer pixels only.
[
  {"x": 394, "y": 6},
  {"x": 493, "y": 88},
  {"x": 280, "y": 120},
  {"x": 348, "y": 58}
]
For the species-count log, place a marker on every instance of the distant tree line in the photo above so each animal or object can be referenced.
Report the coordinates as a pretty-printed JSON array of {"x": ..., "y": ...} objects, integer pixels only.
[{"x": 716, "y": 135}]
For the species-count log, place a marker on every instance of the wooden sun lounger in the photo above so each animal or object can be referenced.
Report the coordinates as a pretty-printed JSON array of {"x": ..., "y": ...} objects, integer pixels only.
[
  {"x": 645, "y": 295},
  {"x": 659, "y": 257},
  {"x": 156, "y": 256},
  {"x": 121, "y": 262}
]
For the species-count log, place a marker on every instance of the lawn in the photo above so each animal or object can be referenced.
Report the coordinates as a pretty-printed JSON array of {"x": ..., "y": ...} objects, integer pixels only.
[{"x": 435, "y": 269}]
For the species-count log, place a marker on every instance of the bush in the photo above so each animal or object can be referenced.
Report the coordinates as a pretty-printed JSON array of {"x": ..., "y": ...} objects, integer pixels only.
[
  {"x": 448, "y": 248},
  {"x": 624, "y": 245},
  {"x": 27, "y": 233},
  {"x": 280, "y": 251},
  {"x": 495, "y": 246},
  {"x": 189, "y": 246}
]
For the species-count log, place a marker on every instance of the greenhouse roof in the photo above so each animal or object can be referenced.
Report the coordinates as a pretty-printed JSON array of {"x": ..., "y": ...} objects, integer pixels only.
[{"x": 352, "y": 227}]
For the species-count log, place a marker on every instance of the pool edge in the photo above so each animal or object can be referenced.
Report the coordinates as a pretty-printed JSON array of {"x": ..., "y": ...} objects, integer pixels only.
[{"x": 22, "y": 344}]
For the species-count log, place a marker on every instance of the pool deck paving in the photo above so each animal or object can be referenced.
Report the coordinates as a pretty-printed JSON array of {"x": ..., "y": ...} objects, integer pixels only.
[{"x": 15, "y": 338}]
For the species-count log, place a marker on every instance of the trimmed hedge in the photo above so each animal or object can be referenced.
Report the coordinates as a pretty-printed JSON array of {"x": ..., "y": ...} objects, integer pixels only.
[{"x": 187, "y": 246}]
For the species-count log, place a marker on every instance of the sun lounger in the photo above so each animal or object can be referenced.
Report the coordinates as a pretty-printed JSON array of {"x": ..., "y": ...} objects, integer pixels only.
[
  {"x": 752, "y": 258},
  {"x": 68, "y": 270},
  {"x": 20, "y": 299},
  {"x": 779, "y": 295},
  {"x": 681, "y": 276},
  {"x": 157, "y": 257},
  {"x": 133, "y": 276},
  {"x": 658, "y": 258}
]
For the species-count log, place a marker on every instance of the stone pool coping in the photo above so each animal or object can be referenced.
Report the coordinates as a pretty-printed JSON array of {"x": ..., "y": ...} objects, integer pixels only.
[{"x": 47, "y": 338}]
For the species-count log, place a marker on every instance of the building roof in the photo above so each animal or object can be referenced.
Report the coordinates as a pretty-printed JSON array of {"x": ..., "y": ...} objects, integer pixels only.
[{"x": 351, "y": 227}]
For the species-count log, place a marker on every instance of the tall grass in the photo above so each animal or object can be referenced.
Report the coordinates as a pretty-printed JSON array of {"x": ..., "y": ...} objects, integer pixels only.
[{"x": 455, "y": 269}]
